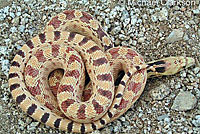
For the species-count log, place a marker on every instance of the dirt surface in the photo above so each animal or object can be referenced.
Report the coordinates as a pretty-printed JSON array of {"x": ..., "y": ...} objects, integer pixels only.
[{"x": 155, "y": 30}]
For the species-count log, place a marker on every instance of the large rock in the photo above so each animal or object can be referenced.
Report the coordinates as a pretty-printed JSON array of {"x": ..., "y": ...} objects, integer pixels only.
[
  {"x": 184, "y": 101},
  {"x": 175, "y": 35}
]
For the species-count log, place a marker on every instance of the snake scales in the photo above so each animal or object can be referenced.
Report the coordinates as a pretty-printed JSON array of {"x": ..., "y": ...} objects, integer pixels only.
[{"x": 75, "y": 42}]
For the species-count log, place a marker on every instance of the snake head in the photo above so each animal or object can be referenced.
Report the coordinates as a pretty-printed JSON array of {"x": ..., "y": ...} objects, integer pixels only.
[
  {"x": 181, "y": 62},
  {"x": 169, "y": 66},
  {"x": 190, "y": 62},
  {"x": 174, "y": 65}
]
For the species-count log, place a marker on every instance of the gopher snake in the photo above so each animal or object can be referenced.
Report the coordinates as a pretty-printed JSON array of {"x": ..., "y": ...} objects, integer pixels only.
[{"x": 75, "y": 42}]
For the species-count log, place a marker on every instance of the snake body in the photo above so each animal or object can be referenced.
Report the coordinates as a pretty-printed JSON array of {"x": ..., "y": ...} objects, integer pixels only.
[{"x": 75, "y": 42}]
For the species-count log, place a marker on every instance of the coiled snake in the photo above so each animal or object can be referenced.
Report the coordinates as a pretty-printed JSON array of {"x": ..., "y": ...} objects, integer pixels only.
[{"x": 74, "y": 42}]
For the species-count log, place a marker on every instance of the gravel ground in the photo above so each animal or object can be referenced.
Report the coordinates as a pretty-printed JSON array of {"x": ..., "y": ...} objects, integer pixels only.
[{"x": 168, "y": 105}]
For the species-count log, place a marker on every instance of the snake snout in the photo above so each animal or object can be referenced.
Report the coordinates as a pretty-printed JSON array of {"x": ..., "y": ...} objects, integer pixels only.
[{"x": 189, "y": 62}]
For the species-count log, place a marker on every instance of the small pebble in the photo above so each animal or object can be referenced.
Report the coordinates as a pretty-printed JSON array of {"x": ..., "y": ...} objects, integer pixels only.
[
  {"x": 13, "y": 29},
  {"x": 196, "y": 121},
  {"x": 21, "y": 28},
  {"x": 116, "y": 30},
  {"x": 199, "y": 32},
  {"x": 126, "y": 22},
  {"x": 34, "y": 124},
  {"x": 134, "y": 20},
  {"x": 122, "y": 37},
  {"x": 141, "y": 40},
  {"x": 196, "y": 70},
  {"x": 162, "y": 117},
  {"x": 196, "y": 11},
  {"x": 163, "y": 14}
]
